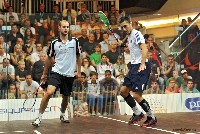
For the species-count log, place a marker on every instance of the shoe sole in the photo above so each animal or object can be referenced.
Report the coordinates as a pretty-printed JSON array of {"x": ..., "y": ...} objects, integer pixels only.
[
  {"x": 133, "y": 122},
  {"x": 35, "y": 125},
  {"x": 67, "y": 121},
  {"x": 148, "y": 125}
]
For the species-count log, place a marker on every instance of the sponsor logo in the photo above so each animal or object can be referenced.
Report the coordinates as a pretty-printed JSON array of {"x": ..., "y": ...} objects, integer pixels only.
[
  {"x": 193, "y": 103},
  {"x": 21, "y": 110}
]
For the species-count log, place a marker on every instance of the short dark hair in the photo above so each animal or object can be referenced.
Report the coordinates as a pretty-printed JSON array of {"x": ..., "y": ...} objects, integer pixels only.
[
  {"x": 107, "y": 71},
  {"x": 103, "y": 55},
  {"x": 125, "y": 18},
  {"x": 83, "y": 74}
]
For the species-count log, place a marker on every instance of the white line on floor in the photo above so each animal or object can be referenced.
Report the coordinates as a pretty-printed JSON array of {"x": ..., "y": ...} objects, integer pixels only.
[
  {"x": 19, "y": 131},
  {"x": 158, "y": 129},
  {"x": 37, "y": 132},
  {"x": 2, "y": 132}
]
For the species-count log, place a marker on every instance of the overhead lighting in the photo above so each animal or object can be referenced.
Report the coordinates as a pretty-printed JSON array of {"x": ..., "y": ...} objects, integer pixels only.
[
  {"x": 158, "y": 14},
  {"x": 163, "y": 21}
]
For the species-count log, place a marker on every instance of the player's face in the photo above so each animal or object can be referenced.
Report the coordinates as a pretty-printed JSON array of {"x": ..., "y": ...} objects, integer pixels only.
[
  {"x": 64, "y": 28},
  {"x": 125, "y": 26}
]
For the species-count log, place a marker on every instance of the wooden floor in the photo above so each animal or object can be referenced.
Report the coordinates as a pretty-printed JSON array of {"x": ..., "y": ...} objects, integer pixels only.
[{"x": 167, "y": 123}]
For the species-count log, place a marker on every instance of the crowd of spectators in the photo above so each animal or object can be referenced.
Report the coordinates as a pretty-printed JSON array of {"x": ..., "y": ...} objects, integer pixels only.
[{"x": 25, "y": 41}]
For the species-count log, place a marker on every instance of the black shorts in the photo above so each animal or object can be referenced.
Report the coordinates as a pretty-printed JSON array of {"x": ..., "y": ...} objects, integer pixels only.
[
  {"x": 59, "y": 81},
  {"x": 137, "y": 81}
]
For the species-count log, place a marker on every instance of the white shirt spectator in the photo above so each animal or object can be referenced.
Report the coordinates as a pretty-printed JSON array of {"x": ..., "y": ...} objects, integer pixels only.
[
  {"x": 4, "y": 56},
  {"x": 34, "y": 85}
]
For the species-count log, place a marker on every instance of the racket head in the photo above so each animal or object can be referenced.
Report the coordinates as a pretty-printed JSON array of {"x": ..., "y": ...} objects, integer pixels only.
[
  {"x": 29, "y": 102},
  {"x": 104, "y": 19}
]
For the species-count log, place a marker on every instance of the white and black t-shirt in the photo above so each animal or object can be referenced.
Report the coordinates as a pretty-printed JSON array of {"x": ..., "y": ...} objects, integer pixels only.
[
  {"x": 65, "y": 56},
  {"x": 135, "y": 39}
]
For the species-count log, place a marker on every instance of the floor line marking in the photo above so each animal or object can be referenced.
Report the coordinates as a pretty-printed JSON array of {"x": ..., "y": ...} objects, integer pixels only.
[
  {"x": 158, "y": 129},
  {"x": 19, "y": 131},
  {"x": 37, "y": 132}
]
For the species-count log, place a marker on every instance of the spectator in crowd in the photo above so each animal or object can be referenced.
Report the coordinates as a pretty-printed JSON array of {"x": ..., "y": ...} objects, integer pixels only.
[
  {"x": 86, "y": 67},
  {"x": 83, "y": 13},
  {"x": 6, "y": 6},
  {"x": 7, "y": 75},
  {"x": 120, "y": 79},
  {"x": 88, "y": 47},
  {"x": 86, "y": 23},
  {"x": 3, "y": 54},
  {"x": 103, "y": 66},
  {"x": 179, "y": 80},
  {"x": 98, "y": 34},
  {"x": 20, "y": 72},
  {"x": 82, "y": 108},
  {"x": 31, "y": 46},
  {"x": 83, "y": 38},
  {"x": 154, "y": 49},
  {"x": 44, "y": 32},
  {"x": 184, "y": 78},
  {"x": 111, "y": 37},
  {"x": 172, "y": 88},
  {"x": 80, "y": 86},
  {"x": 105, "y": 44},
  {"x": 155, "y": 71},
  {"x": 112, "y": 54},
  {"x": 120, "y": 67},
  {"x": 84, "y": 10},
  {"x": 113, "y": 19},
  {"x": 29, "y": 85},
  {"x": 12, "y": 92},
  {"x": 169, "y": 66},
  {"x": 10, "y": 21},
  {"x": 95, "y": 58},
  {"x": 109, "y": 88},
  {"x": 11, "y": 13},
  {"x": 94, "y": 94},
  {"x": 38, "y": 67},
  {"x": 27, "y": 25},
  {"x": 27, "y": 36},
  {"x": 183, "y": 26},
  {"x": 154, "y": 89},
  {"x": 190, "y": 87},
  {"x": 2, "y": 32},
  {"x": 12, "y": 37},
  {"x": 72, "y": 11},
  {"x": 41, "y": 15},
  {"x": 22, "y": 20},
  {"x": 17, "y": 56},
  {"x": 194, "y": 28},
  {"x": 111, "y": 12},
  {"x": 35, "y": 55},
  {"x": 55, "y": 18}
]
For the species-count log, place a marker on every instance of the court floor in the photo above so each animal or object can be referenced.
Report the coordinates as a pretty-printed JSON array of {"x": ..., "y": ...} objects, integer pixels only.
[{"x": 175, "y": 123}]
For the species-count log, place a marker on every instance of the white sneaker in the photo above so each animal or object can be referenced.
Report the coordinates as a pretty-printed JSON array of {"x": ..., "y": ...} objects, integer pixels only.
[
  {"x": 105, "y": 113},
  {"x": 64, "y": 119},
  {"x": 93, "y": 113},
  {"x": 98, "y": 114},
  {"x": 37, "y": 122}
]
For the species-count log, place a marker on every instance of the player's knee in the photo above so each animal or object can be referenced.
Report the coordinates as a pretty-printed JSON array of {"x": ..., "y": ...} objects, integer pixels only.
[{"x": 124, "y": 91}]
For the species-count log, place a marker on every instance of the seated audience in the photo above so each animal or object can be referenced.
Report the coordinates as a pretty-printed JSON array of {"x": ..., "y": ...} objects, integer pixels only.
[{"x": 172, "y": 88}]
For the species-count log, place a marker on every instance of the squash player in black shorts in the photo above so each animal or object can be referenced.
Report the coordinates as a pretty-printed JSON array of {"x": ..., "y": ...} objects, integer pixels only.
[{"x": 137, "y": 78}]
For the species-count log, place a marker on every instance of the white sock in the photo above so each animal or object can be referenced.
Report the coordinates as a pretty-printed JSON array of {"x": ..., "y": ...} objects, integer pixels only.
[
  {"x": 150, "y": 114},
  {"x": 40, "y": 116},
  {"x": 62, "y": 114},
  {"x": 136, "y": 110}
]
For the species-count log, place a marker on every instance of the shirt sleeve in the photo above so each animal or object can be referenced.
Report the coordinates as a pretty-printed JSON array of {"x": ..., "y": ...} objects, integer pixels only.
[{"x": 139, "y": 37}]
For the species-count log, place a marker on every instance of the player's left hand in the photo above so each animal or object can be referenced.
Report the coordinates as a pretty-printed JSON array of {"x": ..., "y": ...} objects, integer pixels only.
[{"x": 142, "y": 67}]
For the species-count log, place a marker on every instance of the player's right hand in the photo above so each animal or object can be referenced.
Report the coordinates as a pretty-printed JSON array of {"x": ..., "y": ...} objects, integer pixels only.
[{"x": 43, "y": 77}]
